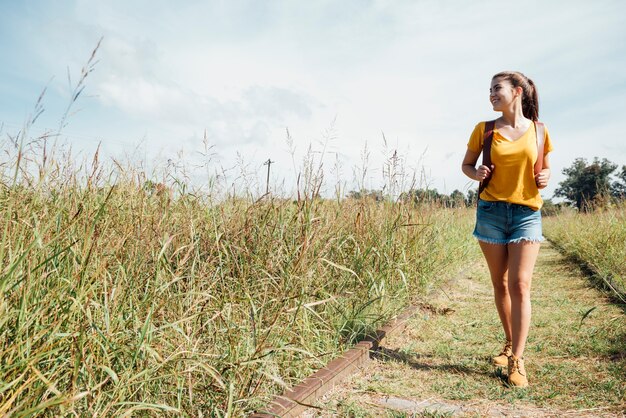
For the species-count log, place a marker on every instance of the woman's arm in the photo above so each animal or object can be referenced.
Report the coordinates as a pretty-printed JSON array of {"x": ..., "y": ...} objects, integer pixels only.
[
  {"x": 543, "y": 176},
  {"x": 469, "y": 167}
]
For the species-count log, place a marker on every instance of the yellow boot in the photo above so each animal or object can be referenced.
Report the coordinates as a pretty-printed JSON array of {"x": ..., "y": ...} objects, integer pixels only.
[
  {"x": 502, "y": 359},
  {"x": 517, "y": 372}
]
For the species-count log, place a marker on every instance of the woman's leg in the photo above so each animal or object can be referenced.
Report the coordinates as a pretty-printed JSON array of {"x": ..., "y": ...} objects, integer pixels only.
[
  {"x": 497, "y": 259},
  {"x": 521, "y": 263}
]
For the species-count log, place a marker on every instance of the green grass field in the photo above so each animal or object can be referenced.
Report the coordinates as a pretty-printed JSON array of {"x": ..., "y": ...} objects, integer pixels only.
[
  {"x": 119, "y": 296},
  {"x": 597, "y": 240},
  {"x": 441, "y": 363},
  {"x": 116, "y": 297}
]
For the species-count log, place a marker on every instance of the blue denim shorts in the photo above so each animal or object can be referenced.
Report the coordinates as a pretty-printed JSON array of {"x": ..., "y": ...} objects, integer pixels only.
[{"x": 507, "y": 223}]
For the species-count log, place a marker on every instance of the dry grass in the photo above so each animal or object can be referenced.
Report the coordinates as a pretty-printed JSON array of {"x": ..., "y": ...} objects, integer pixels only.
[
  {"x": 119, "y": 296},
  {"x": 597, "y": 240}
]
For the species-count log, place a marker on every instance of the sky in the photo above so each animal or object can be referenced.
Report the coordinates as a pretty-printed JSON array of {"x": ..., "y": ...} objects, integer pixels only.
[{"x": 227, "y": 85}]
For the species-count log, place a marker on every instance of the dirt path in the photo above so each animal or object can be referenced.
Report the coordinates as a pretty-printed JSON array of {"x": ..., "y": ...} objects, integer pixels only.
[{"x": 439, "y": 366}]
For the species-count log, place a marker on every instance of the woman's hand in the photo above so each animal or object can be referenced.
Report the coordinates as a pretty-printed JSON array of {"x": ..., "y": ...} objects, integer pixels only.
[
  {"x": 483, "y": 172},
  {"x": 542, "y": 178}
]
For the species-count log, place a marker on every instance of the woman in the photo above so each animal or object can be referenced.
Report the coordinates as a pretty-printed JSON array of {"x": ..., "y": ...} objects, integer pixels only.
[{"x": 508, "y": 219}]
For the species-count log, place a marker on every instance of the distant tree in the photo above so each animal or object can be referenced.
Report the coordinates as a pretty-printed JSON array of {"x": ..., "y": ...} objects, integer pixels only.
[
  {"x": 586, "y": 184},
  {"x": 355, "y": 194},
  {"x": 619, "y": 186},
  {"x": 472, "y": 197},
  {"x": 550, "y": 208},
  {"x": 376, "y": 195},
  {"x": 457, "y": 199},
  {"x": 422, "y": 196},
  {"x": 429, "y": 195}
]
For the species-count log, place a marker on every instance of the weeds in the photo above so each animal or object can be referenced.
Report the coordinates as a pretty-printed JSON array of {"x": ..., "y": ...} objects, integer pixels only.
[
  {"x": 127, "y": 293},
  {"x": 575, "y": 353},
  {"x": 597, "y": 241},
  {"x": 119, "y": 295}
]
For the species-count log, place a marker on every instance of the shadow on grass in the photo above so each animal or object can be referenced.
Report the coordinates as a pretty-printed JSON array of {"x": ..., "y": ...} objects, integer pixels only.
[
  {"x": 617, "y": 355},
  {"x": 385, "y": 354},
  {"x": 607, "y": 285}
]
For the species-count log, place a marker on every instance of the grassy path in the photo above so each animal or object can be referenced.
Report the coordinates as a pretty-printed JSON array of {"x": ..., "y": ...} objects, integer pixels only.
[{"x": 575, "y": 358}]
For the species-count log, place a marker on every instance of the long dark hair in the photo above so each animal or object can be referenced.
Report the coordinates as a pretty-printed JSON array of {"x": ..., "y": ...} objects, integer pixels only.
[{"x": 530, "y": 98}]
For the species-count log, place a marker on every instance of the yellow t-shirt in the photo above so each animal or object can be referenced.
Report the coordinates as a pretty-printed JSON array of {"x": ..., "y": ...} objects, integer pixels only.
[{"x": 513, "y": 178}]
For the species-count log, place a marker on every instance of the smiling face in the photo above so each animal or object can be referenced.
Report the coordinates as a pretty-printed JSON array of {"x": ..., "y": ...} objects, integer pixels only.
[{"x": 502, "y": 94}]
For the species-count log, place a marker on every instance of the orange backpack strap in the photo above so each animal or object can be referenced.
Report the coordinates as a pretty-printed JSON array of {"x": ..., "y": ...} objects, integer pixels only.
[
  {"x": 540, "y": 130},
  {"x": 487, "y": 139}
]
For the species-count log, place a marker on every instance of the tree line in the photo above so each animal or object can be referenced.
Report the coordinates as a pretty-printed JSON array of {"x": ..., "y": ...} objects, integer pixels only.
[
  {"x": 586, "y": 187},
  {"x": 591, "y": 185}
]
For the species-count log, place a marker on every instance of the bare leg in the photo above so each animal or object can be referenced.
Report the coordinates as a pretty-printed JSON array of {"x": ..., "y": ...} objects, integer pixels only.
[
  {"x": 521, "y": 263},
  {"x": 497, "y": 257}
]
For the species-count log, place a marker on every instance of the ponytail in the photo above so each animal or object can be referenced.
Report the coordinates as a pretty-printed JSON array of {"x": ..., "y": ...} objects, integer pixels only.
[
  {"x": 530, "y": 101},
  {"x": 530, "y": 97}
]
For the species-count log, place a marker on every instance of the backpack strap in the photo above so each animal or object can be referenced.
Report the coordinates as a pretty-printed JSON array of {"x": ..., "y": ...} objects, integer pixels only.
[
  {"x": 487, "y": 139},
  {"x": 540, "y": 130}
]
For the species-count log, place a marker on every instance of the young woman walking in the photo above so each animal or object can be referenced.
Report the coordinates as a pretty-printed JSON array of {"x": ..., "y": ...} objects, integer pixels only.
[{"x": 508, "y": 218}]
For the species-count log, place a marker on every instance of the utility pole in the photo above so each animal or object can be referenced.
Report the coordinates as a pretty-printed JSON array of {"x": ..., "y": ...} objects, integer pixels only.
[{"x": 268, "y": 163}]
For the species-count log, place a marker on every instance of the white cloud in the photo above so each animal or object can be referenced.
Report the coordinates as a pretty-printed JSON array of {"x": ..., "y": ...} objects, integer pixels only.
[{"x": 417, "y": 71}]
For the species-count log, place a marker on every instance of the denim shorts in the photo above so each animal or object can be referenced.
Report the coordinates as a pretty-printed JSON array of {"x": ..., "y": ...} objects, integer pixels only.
[{"x": 507, "y": 223}]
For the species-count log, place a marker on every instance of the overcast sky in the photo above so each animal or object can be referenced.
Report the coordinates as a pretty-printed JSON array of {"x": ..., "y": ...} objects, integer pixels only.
[{"x": 341, "y": 73}]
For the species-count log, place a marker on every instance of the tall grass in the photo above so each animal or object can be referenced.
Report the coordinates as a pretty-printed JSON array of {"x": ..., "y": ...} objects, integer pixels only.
[
  {"x": 119, "y": 297},
  {"x": 598, "y": 240}
]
